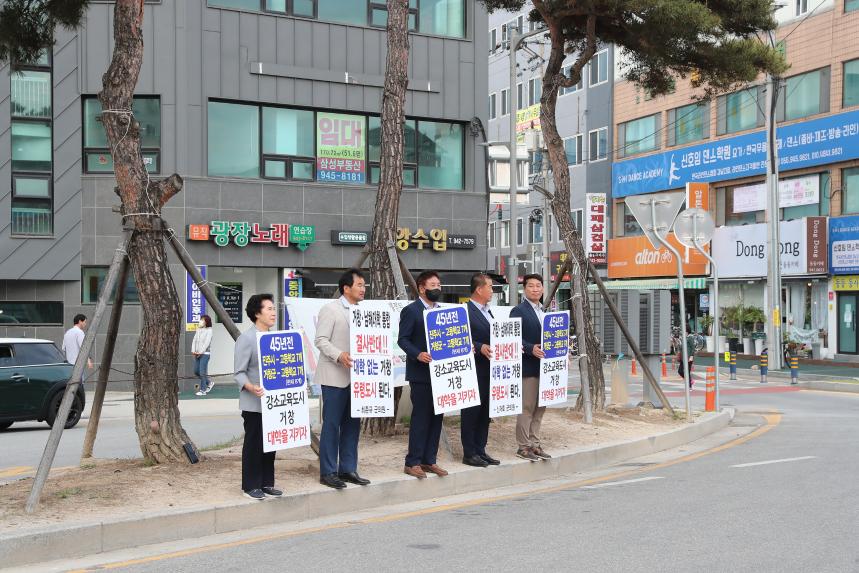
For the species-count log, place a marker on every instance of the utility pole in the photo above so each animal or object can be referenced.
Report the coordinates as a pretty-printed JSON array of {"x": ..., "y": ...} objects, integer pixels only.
[{"x": 774, "y": 335}]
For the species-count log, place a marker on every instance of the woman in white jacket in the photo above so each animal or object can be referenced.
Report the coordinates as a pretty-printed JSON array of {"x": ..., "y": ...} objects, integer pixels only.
[{"x": 200, "y": 349}]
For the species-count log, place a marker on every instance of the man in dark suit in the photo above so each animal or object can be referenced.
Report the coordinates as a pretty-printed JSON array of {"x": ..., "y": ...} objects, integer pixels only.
[
  {"x": 528, "y": 422},
  {"x": 475, "y": 420},
  {"x": 426, "y": 426}
]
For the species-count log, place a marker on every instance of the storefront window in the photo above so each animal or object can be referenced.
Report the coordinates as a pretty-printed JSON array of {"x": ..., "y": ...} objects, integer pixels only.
[
  {"x": 850, "y": 185},
  {"x": 440, "y": 155},
  {"x": 803, "y": 95},
  {"x": 41, "y": 312},
  {"x": 639, "y": 135},
  {"x": 741, "y": 110},
  {"x": 233, "y": 140},
  {"x": 851, "y": 81}
]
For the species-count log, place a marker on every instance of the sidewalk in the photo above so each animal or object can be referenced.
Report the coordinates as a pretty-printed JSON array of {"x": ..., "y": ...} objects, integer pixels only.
[{"x": 33, "y": 539}]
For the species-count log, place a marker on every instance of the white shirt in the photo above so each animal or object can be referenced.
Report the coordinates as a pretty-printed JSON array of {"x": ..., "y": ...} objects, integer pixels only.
[
  {"x": 427, "y": 305},
  {"x": 538, "y": 308},
  {"x": 484, "y": 309},
  {"x": 73, "y": 339},
  {"x": 344, "y": 302}
]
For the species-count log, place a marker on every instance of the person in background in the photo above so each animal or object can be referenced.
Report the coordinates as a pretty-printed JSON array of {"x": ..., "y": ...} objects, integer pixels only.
[
  {"x": 73, "y": 339},
  {"x": 528, "y": 422},
  {"x": 257, "y": 465},
  {"x": 690, "y": 351},
  {"x": 426, "y": 426},
  {"x": 200, "y": 348},
  {"x": 340, "y": 430}
]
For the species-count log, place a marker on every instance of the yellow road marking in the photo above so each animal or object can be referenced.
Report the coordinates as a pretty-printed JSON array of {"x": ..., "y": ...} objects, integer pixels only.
[{"x": 772, "y": 420}]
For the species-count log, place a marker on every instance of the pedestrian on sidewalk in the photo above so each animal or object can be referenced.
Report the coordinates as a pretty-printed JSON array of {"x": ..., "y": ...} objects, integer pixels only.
[
  {"x": 529, "y": 421},
  {"x": 690, "y": 352},
  {"x": 338, "y": 444},
  {"x": 257, "y": 465},
  {"x": 73, "y": 339},
  {"x": 201, "y": 349}
]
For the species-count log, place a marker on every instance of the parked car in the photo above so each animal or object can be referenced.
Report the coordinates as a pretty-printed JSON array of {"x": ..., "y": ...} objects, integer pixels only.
[{"x": 33, "y": 377}]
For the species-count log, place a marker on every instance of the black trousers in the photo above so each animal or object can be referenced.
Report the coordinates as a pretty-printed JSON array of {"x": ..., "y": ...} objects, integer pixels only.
[
  {"x": 257, "y": 465},
  {"x": 425, "y": 429},
  {"x": 474, "y": 431}
]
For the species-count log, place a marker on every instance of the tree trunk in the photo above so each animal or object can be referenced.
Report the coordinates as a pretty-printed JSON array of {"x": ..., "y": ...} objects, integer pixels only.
[
  {"x": 553, "y": 80},
  {"x": 156, "y": 412},
  {"x": 391, "y": 173}
]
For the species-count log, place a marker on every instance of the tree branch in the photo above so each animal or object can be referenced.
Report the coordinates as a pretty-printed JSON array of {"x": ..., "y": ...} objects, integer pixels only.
[{"x": 167, "y": 188}]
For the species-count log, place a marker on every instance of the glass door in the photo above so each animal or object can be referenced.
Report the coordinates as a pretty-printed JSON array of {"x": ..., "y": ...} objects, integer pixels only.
[{"x": 847, "y": 323}]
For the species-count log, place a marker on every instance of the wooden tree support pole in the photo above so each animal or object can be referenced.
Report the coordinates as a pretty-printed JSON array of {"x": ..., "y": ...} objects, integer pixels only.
[
  {"x": 216, "y": 305},
  {"x": 106, "y": 361},
  {"x": 633, "y": 345},
  {"x": 394, "y": 261},
  {"x": 75, "y": 380}
]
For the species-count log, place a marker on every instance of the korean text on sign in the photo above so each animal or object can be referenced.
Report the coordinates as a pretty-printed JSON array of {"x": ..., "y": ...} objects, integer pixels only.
[
  {"x": 285, "y": 412},
  {"x": 452, "y": 372},
  {"x": 195, "y": 304},
  {"x": 340, "y": 148},
  {"x": 555, "y": 342},
  {"x": 505, "y": 368},
  {"x": 372, "y": 350}
]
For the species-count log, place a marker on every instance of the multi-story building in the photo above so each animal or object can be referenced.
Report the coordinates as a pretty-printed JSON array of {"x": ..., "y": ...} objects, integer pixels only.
[
  {"x": 666, "y": 142},
  {"x": 270, "y": 112},
  {"x": 584, "y": 114}
]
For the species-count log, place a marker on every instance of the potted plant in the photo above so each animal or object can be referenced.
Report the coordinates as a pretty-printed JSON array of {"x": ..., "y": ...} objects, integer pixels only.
[
  {"x": 733, "y": 320},
  {"x": 707, "y": 324},
  {"x": 755, "y": 318}
]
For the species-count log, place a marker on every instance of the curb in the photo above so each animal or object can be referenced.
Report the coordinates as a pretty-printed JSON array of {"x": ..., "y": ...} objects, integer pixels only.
[
  {"x": 849, "y": 387},
  {"x": 64, "y": 542}
]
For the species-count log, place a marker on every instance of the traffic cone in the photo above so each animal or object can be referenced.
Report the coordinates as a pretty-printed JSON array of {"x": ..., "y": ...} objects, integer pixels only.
[
  {"x": 710, "y": 396},
  {"x": 634, "y": 368},
  {"x": 664, "y": 367}
]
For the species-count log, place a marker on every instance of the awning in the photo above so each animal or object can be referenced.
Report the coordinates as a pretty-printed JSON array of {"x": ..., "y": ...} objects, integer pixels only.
[{"x": 643, "y": 284}]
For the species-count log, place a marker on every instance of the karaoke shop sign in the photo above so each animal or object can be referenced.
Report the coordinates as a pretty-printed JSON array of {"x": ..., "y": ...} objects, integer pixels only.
[
  {"x": 741, "y": 251},
  {"x": 244, "y": 233}
]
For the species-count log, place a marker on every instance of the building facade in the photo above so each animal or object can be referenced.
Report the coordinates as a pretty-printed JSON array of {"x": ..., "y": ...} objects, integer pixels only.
[
  {"x": 270, "y": 112},
  {"x": 666, "y": 142},
  {"x": 584, "y": 116}
]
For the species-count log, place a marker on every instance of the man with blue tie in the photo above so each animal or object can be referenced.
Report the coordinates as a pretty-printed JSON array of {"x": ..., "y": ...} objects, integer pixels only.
[
  {"x": 528, "y": 422},
  {"x": 426, "y": 425},
  {"x": 475, "y": 420}
]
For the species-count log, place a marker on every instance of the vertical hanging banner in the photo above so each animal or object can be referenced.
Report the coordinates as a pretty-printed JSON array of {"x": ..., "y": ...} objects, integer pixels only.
[
  {"x": 452, "y": 372},
  {"x": 340, "y": 147},
  {"x": 505, "y": 368},
  {"x": 285, "y": 412},
  {"x": 596, "y": 227},
  {"x": 553, "y": 368},
  {"x": 372, "y": 349},
  {"x": 195, "y": 302}
]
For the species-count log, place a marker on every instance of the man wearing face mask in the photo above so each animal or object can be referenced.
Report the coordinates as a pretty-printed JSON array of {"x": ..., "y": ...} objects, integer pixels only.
[{"x": 426, "y": 426}]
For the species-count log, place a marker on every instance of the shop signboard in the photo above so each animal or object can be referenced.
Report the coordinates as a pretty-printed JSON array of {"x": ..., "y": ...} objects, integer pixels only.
[
  {"x": 791, "y": 193},
  {"x": 527, "y": 119},
  {"x": 635, "y": 257},
  {"x": 340, "y": 148},
  {"x": 244, "y": 233},
  {"x": 230, "y": 297},
  {"x": 435, "y": 239},
  {"x": 803, "y": 144},
  {"x": 596, "y": 225},
  {"x": 844, "y": 245},
  {"x": 845, "y": 282},
  {"x": 195, "y": 302},
  {"x": 742, "y": 251}
]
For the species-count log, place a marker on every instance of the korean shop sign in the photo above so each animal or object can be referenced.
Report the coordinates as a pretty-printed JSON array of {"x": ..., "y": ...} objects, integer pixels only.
[
  {"x": 596, "y": 217},
  {"x": 340, "y": 147},
  {"x": 438, "y": 240},
  {"x": 242, "y": 233}
]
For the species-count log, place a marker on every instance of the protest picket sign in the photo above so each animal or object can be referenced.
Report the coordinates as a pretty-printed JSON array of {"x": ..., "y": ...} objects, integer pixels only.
[
  {"x": 505, "y": 368},
  {"x": 285, "y": 412},
  {"x": 452, "y": 372},
  {"x": 372, "y": 350},
  {"x": 553, "y": 368}
]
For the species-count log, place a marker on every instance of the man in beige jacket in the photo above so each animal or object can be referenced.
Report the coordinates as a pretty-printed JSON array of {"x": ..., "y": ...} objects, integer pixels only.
[{"x": 339, "y": 429}]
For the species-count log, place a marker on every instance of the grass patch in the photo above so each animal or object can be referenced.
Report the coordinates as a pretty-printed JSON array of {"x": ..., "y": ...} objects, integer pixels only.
[
  {"x": 68, "y": 492},
  {"x": 234, "y": 441},
  {"x": 88, "y": 466}
]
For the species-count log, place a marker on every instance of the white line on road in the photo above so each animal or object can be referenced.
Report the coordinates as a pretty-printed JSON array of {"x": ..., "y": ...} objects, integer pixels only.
[
  {"x": 773, "y": 462},
  {"x": 624, "y": 482}
]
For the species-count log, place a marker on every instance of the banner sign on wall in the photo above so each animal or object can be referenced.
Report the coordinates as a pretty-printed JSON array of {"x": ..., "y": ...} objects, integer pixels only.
[
  {"x": 195, "y": 302},
  {"x": 804, "y": 144},
  {"x": 844, "y": 245},
  {"x": 372, "y": 351},
  {"x": 596, "y": 225},
  {"x": 340, "y": 147},
  {"x": 742, "y": 251},
  {"x": 505, "y": 368},
  {"x": 452, "y": 372},
  {"x": 631, "y": 257},
  {"x": 791, "y": 193},
  {"x": 553, "y": 368},
  {"x": 285, "y": 412}
]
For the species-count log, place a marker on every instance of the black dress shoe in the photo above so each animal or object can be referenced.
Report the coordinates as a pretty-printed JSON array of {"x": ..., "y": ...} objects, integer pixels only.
[
  {"x": 353, "y": 477},
  {"x": 490, "y": 460},
  {"x": 331, "y": 480},
  {"x": 271, "y": 491},
  {"x": 475, "y": 461}
]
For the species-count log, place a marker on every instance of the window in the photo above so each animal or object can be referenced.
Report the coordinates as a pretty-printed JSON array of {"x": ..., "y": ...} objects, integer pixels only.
[
  {"x": 801, "y": 7},
  {"x": 288, "y": 144},
  {"x": 688, "y": 124},
  {"x": 233, "y": 140},
  {"x": 804, "y": 95},
  {"x": 32, "y": 148},
  {"x": 37, "y": 353},
  {"x": 573, "y": 148},
  {"x": 493, "y": 40},
  {"x": 851, "y": 5},
  {"x": 599, "y": 68},
  {"x": 440, "y": 155},
  {"x": 342, "y": 11},
  {"x": 493, "y": 113},
  {"x": 631, "y": 228},
  {"x": 96, "y": 152},
  {"x": 379, "y": 14},
  {"x": 850, "y": 97},
  {"x": 490, "y": 235},
  {"x": 505, "y": 101},
  {"x": 40, "y": 312},
  {"x": 819, "y": 208},
  {"x": 505, "y": 234},
  {"x": 535, "y": 227},
  {"x": 577, "y": 216},
  {"x": 520, "y": 231},
  {"x": 499, "y": 173},
  {"x": 571, "y": 89},
  {"x": 535, "y": 90},
  {"x": 740, "y": 111},
  {"x": 850, "y": 184},
  {"x": 638, "y": 136},
  {"x": 440, "y": 17},
  {"x": 92, "y": 280},
  {"x": 598, "y": 144},
  {"x": 520, "y": 97},
  {"x": 410, "y": 154}
]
